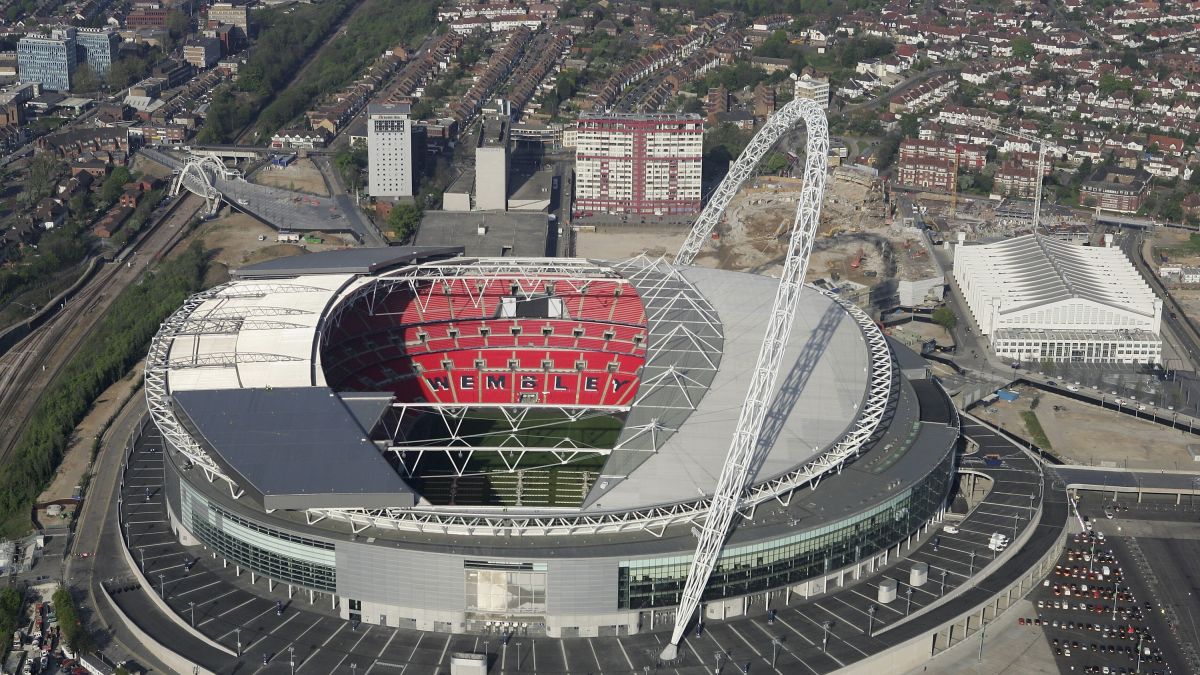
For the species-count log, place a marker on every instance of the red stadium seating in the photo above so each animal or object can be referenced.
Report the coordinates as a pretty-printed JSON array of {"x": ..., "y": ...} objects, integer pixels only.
[{"x": 444, "y": 344}]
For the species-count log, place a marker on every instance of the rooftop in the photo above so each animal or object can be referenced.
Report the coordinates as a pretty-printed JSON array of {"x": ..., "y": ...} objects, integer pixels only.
[{"x": 1034, "y": 270}]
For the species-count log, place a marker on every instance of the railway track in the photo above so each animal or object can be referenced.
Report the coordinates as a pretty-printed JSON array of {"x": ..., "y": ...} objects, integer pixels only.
[{"x": 27, "y": 370}]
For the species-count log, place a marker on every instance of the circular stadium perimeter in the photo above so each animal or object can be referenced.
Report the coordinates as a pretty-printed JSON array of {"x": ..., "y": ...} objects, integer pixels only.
[{"x": 462, "y": 444}]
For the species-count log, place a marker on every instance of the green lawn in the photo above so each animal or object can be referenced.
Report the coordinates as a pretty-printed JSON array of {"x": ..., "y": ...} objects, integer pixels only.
[{"x": 1035, "y": 429}]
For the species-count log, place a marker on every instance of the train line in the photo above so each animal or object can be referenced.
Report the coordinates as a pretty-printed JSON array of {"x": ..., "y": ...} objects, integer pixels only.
[{"x": 28, "y": 369}]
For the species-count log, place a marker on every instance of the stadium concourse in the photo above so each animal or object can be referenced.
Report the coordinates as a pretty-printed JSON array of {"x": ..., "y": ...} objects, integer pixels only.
[{"x": 529, "y": 443}]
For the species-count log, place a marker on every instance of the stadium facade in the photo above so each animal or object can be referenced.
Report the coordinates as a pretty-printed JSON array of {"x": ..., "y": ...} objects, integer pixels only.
[{"x": 461, "y": 445}]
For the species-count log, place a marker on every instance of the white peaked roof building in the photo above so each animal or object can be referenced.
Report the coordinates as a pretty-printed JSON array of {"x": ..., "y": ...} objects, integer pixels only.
[{"x": 1040, "y": 298}]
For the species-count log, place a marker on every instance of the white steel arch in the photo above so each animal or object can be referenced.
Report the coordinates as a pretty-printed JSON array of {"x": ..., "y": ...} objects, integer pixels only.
[
  {"x": 738, "y": 467},
  {"x": 199, "y": 176}
]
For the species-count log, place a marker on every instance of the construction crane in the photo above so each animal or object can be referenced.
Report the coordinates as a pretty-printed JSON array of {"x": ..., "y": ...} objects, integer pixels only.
[
  {"x": 1041, "y": 168},
  {"x": 736, "y": 472}
]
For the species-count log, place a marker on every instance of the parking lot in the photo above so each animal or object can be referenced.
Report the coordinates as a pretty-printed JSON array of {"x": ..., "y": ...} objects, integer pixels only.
[{"x": 1094, "y": 621}]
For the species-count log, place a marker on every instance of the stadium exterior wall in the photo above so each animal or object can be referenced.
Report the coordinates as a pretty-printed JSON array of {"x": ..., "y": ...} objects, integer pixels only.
[{"x": 467, "y": 588}]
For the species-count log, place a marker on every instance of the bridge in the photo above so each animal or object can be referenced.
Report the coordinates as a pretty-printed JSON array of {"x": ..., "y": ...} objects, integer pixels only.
[{"x": 282, "y": 209}]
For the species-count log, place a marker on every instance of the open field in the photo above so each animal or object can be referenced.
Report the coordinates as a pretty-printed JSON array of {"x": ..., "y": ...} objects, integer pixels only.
[{"x": 1085, "y": 434}]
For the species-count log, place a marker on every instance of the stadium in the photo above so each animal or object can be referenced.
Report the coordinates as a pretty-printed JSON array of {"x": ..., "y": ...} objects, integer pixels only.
[{"x": 459, "y": 444}]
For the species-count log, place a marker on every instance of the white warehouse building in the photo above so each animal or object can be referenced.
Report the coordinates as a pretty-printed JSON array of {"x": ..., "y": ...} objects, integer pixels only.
[{"x": 1042, "y": 299}]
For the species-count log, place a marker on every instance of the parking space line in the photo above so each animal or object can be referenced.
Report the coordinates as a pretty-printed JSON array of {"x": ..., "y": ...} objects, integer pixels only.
[
  {"x": 420, "y": 636},
  {"x": 833, "y": 633},
  {"x": 355, "y": 646},
  {"x": 227, "y": 611},
  {"x": 445, "y": 648},
  {"x": 594, "y": 655},
  {"x": 200, "y": 588},
  {"x": 627, "y": 659},
  {"x": 381, "y": 651},
  {"x": 263, "y": 637},
  {"x": 785, "y": 651}
]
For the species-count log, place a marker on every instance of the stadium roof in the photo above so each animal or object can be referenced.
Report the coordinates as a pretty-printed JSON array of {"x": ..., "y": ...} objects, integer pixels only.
[
  {"x": 296, "y": 447},
  {"x": 1033, "y": 270},
  {"x": 346, "y": 261},
  {"x": 673, "y": 449},
  {"x": 254, "y": 334},
  {"x": 705, "y": 329}
]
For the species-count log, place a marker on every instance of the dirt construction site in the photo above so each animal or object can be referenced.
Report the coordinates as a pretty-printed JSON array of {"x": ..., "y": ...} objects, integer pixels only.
[
  {"x": 300, "y": 176},
  {"x": 855, "y": 241}
]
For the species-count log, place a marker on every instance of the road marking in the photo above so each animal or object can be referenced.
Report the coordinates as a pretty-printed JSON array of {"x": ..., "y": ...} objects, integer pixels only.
[
  {"x": 228, "y": 610},
  {"x": 377, "y": 662},
  {"x": 441, "y": 658},
  {"x": 743, "y": 638},
  {"x": 263, "y": 637},
  {"x": 627, "y": 659},
  {"x": 420, "y": 636},
  {"x": 352, "y": 648},
  {"x": 595, "y": 655},
  {"x": 200, "y": 588}
]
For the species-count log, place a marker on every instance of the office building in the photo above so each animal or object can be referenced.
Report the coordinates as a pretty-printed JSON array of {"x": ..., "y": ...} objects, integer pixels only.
[
  {"x": 638, "y": 164},
  {"x": 1042, "y": 299},
  {"x": 231, "y": 13},
  {"x": 97, "y": 48},
  {"x": 391, "y": 162},
  {"x": 202, "y": 52},
  {"x": 49, "y": 61},
  {"x": 491, "y": 165}
]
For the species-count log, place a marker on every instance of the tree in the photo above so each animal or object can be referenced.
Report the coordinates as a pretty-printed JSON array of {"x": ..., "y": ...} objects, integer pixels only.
[
  {"x": 73, "y": 630},
  {"x": 86, "y": 80},
  {"x": 114, "y": 185},
  {"x": 43, "y": 174},
  {"x": 910, "y": 125},
  {"x": 945, "y": 317},
  {"x": 403, "y": 220},
  {"x": 126, "y": 71},
  {"x": 1022, "y": 48}
]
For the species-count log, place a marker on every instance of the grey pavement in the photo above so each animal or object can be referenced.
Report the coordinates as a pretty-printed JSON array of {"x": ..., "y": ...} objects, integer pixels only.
[{"x": 284, "y": 209}]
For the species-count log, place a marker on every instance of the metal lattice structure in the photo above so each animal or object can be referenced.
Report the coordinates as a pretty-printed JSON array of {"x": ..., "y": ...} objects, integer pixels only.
[
  {"x": 737, "y": 471},
  {"x": 494, "y": 521},
  {"x": 158, "y": 398},
  {"x": 199, "y": 176}
]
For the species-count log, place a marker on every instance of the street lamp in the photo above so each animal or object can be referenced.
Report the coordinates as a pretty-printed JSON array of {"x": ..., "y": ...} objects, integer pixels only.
[
  {"x": 871, "y": 620},
  {"x": 908, "y": 601},
  {"x": 972, "y": 563},
  {"x": 518, "y": 656},
  {"x": 982, "y": 630},
  {"x": 292, "y": 658},
  {"x": 943, "y": 582},
  {"x": 239, "y": 640},
  {"x": 162, "y": 586},
  {"x": 774, "y": 651},
  {"x": 827, "y": 625},
  {"x": 192, "y": 609}
]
